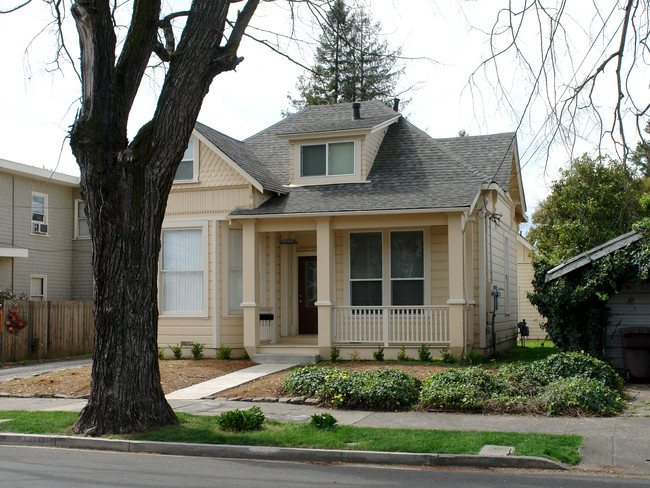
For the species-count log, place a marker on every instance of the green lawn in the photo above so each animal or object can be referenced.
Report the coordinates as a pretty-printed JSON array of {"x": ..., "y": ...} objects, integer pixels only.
[
  {"x": 204, "y": 429},
  {"x": 533, "y": 351}
]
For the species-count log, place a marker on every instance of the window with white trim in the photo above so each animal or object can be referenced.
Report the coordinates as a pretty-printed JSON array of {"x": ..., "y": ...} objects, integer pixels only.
[
  {"x": 328, "y": 159},
  {"x": 81, "y": 230},
  {"x": 39, "y": 213},
  {"x": 366, "y": 269},
  {"x": 38, "y": 287},
  {"x": 182, "y": 268},
  {"x": 395, "y": 272},
  {"x": 235, "y": 270},
  {"x": 188, "y": 169}
]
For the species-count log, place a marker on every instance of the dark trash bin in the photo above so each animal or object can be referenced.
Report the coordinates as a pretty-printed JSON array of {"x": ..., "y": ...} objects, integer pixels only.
[{"x": 636, "y": 351}]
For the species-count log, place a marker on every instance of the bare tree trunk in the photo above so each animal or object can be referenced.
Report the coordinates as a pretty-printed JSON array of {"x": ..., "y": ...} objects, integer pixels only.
[{"x": 125, "y": 188}]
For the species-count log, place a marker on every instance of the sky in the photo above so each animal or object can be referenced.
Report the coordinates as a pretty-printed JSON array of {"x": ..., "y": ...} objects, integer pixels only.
[{"x": 443, "y": 42}]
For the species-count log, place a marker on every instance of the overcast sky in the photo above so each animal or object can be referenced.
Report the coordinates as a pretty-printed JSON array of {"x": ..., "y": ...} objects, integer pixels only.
[{"x": 445, "y": 39}]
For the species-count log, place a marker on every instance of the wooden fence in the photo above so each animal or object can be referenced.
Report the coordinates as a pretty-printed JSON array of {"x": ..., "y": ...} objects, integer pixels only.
[{"x": 64, "y": 329}]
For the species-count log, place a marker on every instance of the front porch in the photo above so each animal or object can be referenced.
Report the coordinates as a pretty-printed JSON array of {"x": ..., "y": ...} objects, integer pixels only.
[{"x": 277, "y": 288}]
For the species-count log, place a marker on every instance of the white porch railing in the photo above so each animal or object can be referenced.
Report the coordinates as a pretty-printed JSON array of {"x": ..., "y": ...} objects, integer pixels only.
[{"x": 392, "y": 325}]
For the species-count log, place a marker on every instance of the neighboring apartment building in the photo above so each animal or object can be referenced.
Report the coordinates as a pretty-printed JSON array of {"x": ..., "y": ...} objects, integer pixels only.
[{"x": 44, "y": 242}]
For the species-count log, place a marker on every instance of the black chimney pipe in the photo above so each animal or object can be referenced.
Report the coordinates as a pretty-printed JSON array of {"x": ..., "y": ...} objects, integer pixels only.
[
  {"x": 396, "y": 104},
  {"x": 356, "y": 111}
]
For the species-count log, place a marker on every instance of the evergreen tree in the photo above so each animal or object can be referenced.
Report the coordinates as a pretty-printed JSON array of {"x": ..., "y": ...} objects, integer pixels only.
[
  {"x": 352, "y": 62},
  {"x": 641, "y": 155}
]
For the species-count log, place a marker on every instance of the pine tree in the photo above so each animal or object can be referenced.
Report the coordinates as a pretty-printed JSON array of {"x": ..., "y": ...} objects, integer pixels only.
[{"x": 352, "y": 62}]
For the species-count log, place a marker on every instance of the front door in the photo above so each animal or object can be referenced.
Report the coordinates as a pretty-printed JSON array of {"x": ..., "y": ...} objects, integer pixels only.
[{"x": 307, "y": 310}]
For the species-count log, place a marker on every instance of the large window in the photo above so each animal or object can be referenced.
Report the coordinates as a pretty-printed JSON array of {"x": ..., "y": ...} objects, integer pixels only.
[
  {"x": 365, "y": 269},
  {"x": 372, "y": 278},
  {"x": 235, "y": 270},
  {"x": 39, "y": 213},
  {"x": 407, "y": 267},
  {"x": 330, "y": 159},
  {"x": 188, "y": 168},
  {"x": 182, "y": 273},
  {"x": 81, "y": 230}
]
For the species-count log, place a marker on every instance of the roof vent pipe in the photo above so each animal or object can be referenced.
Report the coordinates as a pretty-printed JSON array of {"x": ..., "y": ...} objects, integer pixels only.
[
  {"x": 396, "y": 104},
  {"x": 356, "y": 111}
]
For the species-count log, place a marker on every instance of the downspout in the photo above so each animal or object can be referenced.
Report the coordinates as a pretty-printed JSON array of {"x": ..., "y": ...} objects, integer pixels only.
[
  {"x": 482, "y": 278},
  {"x": 13, "y": 228}
]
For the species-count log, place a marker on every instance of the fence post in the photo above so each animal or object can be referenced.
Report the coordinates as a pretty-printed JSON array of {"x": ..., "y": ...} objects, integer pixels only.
[{"x": 386, "y": 325}]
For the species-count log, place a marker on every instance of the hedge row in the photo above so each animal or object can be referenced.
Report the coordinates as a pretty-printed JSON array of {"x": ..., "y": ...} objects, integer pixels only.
[{"x": 562, "y": 384}]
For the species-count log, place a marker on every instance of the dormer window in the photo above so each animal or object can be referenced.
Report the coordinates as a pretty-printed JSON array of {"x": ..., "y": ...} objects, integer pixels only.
[
  {"x": 329, "y": 159},
  {"x": 188, "y": 169}
]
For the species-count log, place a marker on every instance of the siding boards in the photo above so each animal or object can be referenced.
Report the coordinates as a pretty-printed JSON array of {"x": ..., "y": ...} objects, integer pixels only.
[{"x": 629, "y": 308}]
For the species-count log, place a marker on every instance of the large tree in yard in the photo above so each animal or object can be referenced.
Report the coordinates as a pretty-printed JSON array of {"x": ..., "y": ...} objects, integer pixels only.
[{"x": 125, "y": 184}]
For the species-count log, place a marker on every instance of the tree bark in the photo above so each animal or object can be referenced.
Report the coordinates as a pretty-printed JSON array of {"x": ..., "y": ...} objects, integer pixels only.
[{"x": 125, "y": 188}]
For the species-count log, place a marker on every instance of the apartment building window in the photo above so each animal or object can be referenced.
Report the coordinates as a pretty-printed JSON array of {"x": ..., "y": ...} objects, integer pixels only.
[
  {"x": 39, "y": 213},
  {"x": 38, "y": 288},
  {"x": 235, "y": 270},
  {"x": 81, "y": 229}
]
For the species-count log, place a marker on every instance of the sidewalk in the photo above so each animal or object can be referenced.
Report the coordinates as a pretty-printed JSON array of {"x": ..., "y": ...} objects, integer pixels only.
[{"x": 615, "y": 444}]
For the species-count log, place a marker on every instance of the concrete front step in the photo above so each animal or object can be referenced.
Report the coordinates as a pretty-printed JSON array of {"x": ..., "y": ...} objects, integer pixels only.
[{"x": 285, "y": 358}]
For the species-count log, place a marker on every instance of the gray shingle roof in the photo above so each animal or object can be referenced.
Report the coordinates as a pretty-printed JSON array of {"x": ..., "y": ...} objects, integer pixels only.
[
  {"x": 411, "y": 171},
  {"x": 243, "y": 156}
]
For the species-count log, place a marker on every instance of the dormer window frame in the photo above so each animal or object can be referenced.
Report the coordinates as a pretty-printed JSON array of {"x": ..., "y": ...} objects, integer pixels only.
[
  {"x": 353, "y": 177},
  {"x": 194, "y": 142}
]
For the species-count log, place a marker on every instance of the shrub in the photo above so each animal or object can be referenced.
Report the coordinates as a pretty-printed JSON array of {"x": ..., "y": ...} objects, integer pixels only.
[
  {"x": 401, "y": 354},
  {"x": 161, "y": 353},
  {"x": 378, "y": 354},
  {"x": 447, "y": 357},
  {"x": 423, "y": 353},
  {"x": 462, "y": 389},
  {"x": 335, "y": 354},
  {"x": 177, "y": 351},
  {"x": 245, "y": 355},
  {"x": 241, "y": 420},
  {"x": 384, "y": 389},
  {"x": 355, "y": 356},
  {"x": 573, "y": 364},
  {"x": 472, "y": 357},
  {"x": 224, "y": 353},
  {"x": 582, "y": 395},
  {"x": 197, "y": 351},
  {"x": 323, "y": 421}
]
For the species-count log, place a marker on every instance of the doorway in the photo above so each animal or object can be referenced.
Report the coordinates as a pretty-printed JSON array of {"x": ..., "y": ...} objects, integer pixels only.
[{"x": 307, "y": 295}]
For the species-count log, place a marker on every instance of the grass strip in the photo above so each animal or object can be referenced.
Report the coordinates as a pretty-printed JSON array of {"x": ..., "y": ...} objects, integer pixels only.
[{"x": 204, "y": 430}]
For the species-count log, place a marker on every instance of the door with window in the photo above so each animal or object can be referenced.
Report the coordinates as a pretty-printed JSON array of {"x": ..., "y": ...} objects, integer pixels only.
[{"x": 307, "y": 295}]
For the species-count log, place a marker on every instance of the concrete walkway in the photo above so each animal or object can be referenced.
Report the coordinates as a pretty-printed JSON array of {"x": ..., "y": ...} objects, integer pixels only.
[
  {"x": 25, "y": 371},
  {"x": 221, "y": 383}
]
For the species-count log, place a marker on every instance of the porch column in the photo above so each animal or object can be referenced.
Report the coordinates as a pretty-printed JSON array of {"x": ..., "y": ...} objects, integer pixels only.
[
  {"x": 325, "y": 270},
  {"x": 456, "y": 301},
  {"x": 251, "y": 288}
]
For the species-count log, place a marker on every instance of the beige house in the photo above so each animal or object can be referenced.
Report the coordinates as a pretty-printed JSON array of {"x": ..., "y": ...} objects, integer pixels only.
[
  {"x": 343, "y": 226},
  {"x": 525, "y": 275}
]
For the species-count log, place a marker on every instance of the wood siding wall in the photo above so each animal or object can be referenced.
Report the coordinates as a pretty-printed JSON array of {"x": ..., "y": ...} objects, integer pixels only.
[{"x": 65, "y": 329}]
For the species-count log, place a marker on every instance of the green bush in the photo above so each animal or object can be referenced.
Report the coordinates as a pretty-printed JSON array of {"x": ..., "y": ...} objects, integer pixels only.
[
  {"x": 177, "y": 351},
  {"x": 245, "y": 356},
  {"x": 224, "y": 353},
  {"x": 461, "y": 389},
  {"x": 241, "y": 420},
  {"x": 401, "y": 354},
  {"x": 161, "y": 353},
  {"x": 335, "y": 354},
  {"x": 384, "y": 389},
  {"x": 323, "y": 421},
  {"x": 574, "y": 364},
  {"x": 472, "y": 357},
  {"x": 378, "y": 354},
  {"x": 197, "y": 351},
  {"x": 423, "y": 353},
  {"x": 447, "y": 357},
  {"x": 578, "y": 395}
]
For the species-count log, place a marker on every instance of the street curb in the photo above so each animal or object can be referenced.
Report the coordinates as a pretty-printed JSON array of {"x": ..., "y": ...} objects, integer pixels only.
[{"x": 281, "y": 453}]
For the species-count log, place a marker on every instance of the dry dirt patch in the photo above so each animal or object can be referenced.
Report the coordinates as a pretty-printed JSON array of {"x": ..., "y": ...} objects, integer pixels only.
[
  {"x": 175, "y": 375},
  {"x": 271, "y": 385}
]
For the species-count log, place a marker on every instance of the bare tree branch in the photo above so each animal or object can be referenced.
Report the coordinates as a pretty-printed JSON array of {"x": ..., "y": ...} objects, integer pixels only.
[{"x": 15, "y": 8}]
